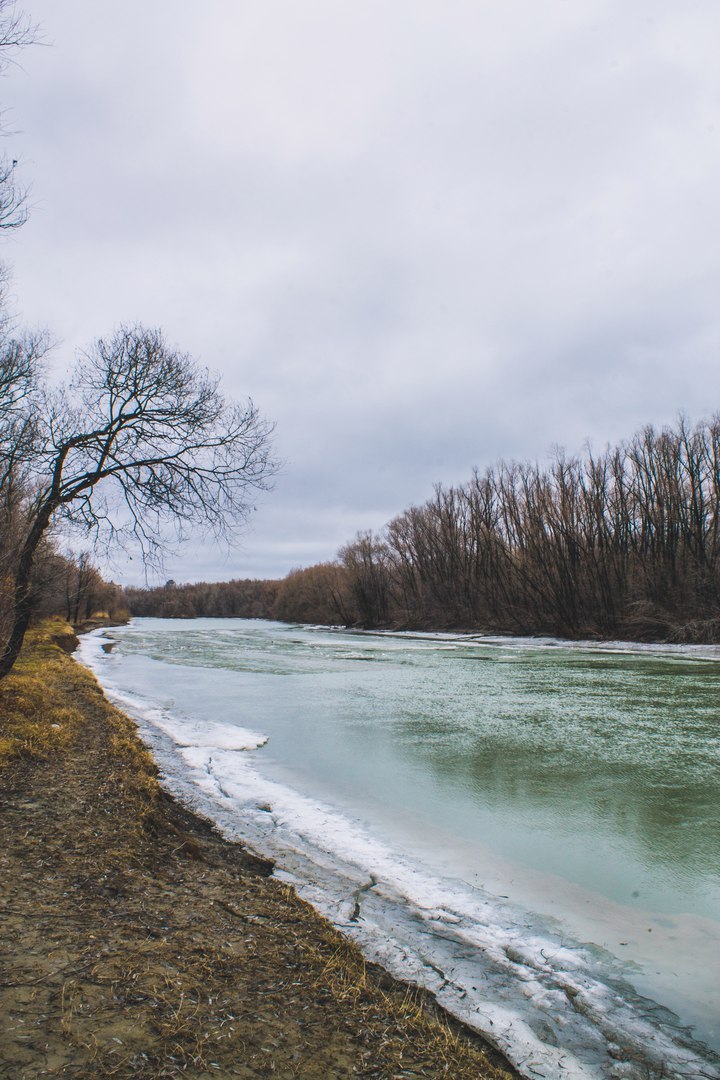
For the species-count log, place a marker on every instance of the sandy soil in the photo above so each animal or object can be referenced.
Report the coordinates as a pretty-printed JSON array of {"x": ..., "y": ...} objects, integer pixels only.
[{"x": 136, "y": 942}]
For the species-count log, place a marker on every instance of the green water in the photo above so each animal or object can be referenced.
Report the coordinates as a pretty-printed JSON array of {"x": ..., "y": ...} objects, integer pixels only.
[
  {"x": 582, "y": 783},
  {"x": 552, "y": 755}
]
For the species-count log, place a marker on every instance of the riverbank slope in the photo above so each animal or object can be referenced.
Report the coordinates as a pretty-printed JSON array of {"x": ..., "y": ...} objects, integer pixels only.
[{"x": 137, "y": 942}]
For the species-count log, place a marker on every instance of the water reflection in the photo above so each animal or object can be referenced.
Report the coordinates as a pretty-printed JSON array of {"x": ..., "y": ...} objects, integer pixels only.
[{"x": 625, "y": 748}]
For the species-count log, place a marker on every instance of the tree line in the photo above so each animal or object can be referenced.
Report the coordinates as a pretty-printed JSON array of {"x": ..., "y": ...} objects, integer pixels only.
[
  {"x": 621, "y": 543},
  {"x": 309, "y": 596},
  {"x": 62, "y": 584}
]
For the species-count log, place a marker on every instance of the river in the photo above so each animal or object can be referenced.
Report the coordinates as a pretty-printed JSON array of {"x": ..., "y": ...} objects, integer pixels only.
[{"x": 527, "y": 827}]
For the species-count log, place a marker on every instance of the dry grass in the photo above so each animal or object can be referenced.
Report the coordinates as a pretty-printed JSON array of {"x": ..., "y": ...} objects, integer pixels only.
[
  {"x": 35, "y": 718},
  {"x": 434, "y": 1035}
]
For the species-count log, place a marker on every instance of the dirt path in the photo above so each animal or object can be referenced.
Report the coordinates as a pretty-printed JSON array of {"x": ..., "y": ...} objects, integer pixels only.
[{"x": 136, "y": 942}]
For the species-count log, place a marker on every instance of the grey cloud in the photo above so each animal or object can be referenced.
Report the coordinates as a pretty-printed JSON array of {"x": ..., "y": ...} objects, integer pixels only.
[{"x": 421, "y": 236}]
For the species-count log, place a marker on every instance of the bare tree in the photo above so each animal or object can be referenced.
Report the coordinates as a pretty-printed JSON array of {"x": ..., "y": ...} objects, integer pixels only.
[
  {"x": 366, "y": 564},
  {"x": 19, "y": 383},
  {"x": 16, "y": 31},
  {"x": 19, "y": 361},
  {"x": 140, "y": 440}
]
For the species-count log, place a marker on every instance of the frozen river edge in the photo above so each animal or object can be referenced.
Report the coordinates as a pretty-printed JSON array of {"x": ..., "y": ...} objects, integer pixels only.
[{"x": 551, "y": 1006}]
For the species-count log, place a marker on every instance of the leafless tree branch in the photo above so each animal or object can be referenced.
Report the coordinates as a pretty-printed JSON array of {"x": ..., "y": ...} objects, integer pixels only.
[{"x": 141, "y": 439}]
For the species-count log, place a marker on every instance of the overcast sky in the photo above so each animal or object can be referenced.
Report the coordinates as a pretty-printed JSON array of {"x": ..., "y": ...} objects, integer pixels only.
[{"x": 422, "y": 235}]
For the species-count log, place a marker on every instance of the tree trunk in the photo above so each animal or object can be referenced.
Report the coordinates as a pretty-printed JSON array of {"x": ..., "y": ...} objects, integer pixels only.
[{"x": 22, "y": 599}]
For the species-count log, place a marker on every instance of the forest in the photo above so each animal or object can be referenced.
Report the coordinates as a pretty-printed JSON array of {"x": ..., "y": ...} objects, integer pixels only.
[
  {"x": 62, "y": 584},
  {"x": 624, "y": 543}
]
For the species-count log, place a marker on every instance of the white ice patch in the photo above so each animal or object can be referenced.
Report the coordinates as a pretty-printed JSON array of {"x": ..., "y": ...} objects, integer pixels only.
[{"x": 184, "y": 731}]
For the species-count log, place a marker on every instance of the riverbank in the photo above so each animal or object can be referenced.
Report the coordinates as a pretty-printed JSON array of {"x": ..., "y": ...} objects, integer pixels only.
[{"x": 137, "y": 942}]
